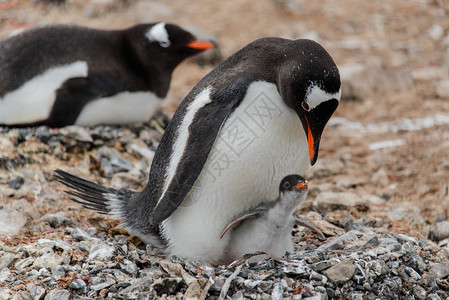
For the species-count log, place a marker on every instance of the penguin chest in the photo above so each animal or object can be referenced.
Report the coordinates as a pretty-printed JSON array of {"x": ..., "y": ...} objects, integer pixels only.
[{"x": 260, "y": 143}]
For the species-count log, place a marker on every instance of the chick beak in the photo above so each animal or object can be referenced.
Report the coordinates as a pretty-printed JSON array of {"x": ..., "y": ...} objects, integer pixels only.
[{"x": 301, "y": 185}]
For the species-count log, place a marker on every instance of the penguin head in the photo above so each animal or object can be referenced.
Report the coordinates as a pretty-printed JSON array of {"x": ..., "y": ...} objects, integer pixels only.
[
  {"x": 310, "y": 84},
  {"x": 173, "y": 43},
  {"x": 293, "y": 183},
  {"x": 292, "y": 191}
]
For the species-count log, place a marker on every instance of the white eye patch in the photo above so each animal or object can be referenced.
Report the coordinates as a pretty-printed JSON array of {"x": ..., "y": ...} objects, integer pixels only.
[
  {"x": 315, "y": 96},
  {"x": 158, "y": 33}
]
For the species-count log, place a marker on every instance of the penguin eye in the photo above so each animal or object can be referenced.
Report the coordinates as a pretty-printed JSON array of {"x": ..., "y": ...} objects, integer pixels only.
[
  {"x": 287, "y": 185},
  {"x": 305, "y": 106},
  {"x": 164, "y": 44}
]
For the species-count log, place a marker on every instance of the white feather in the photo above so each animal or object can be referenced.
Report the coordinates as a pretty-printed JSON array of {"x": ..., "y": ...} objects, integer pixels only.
[
  {"x": 158, "y": 33},
  {"x": 34, "y": 100},
  {"x": 315, "y": 96},
  {"x": 179, "y": 146},
  {"x": 261, "y": 142},
  {"x": 122, "y": 108},
  {"x": 270, "y": 233}
]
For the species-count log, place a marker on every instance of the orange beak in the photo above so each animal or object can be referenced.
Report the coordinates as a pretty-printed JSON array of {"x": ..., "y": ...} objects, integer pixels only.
[
  {"x": 310, "y": 141},
  {"x": 200, "y": 45},
  {"x": 301, "y": 185}
]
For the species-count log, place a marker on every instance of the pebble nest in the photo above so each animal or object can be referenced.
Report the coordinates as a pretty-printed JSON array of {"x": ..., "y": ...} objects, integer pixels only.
[
  {"x": 90, "y": 264},
  {"x": 360, "y": 259}
]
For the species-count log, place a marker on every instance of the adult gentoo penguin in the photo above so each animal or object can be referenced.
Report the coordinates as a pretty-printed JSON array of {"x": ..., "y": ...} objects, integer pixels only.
[
  {"x": 268, "y": 228},
  {"x": 62, "y": 75},
  {"x": 246, "y": 125}
]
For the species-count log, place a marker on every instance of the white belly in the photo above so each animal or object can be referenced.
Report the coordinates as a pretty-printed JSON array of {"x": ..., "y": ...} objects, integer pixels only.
[
  {"x": 122, "y": 108},
  {"x": 261, "y": 143},
  {"x": 259, "y": 235},
  {"x": 34, "y": 100}
]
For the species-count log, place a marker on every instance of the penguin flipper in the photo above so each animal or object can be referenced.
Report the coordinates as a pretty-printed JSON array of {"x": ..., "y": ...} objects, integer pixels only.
[
  {"x": 166, "y": 194},
  {"x": 241, "y": 218},
  {"x": 304, "y": 223},
  {"x": 92, "y": 195},
  {"x": 74, "y": 94}
]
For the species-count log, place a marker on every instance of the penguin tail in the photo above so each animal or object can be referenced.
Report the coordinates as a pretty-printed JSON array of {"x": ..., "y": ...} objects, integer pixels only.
[{"x": 94, "y": 196}]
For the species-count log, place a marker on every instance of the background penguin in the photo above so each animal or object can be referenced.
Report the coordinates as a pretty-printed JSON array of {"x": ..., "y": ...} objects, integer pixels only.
[
  {"x": 251, "y": 121},
  {"x": 61, "y": 75},
  {"x": 268, "y": 228}
]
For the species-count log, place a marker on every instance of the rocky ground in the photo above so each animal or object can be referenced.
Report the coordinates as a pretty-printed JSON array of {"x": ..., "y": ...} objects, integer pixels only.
[{"x": 379, "y": 191}]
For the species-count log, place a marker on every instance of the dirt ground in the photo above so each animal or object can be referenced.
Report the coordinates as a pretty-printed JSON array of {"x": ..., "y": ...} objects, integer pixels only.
[{"x": 395, "y": 58}]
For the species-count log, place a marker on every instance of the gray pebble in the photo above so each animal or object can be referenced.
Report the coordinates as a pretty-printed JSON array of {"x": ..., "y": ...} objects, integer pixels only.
[
  {"x": 16, "y": 183},
  {"x": 100, "y": 283},
  {"x": 77, "y": 284},
  {"x": 341, "y": 272},
  {"x": 58, "y": 294},
  {"x": 57, "y": 220}
]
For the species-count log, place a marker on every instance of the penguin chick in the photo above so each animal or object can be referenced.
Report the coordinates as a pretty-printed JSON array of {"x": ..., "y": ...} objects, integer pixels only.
[{"x": 268, "y": 228}]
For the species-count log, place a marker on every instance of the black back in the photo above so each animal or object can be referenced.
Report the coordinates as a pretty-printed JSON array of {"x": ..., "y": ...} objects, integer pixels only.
[{"x": 126, "y": 57}]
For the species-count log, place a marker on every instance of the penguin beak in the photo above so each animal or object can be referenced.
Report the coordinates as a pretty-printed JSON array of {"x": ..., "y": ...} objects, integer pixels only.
[
  {"x": 314, "y": 145},
  {"x": 314, "y": 122},
  {"x": 301, "y": 185},
  {"x": 200, "y": 45}
]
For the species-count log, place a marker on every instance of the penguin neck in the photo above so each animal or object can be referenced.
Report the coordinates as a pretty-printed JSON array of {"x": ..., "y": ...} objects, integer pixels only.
[
  {"x": 154, "y": 72},
  {"x": 281, "y": 213}
]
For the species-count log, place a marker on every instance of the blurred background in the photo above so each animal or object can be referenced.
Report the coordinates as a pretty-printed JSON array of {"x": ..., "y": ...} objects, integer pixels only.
[{"x": 384, "y": 155}]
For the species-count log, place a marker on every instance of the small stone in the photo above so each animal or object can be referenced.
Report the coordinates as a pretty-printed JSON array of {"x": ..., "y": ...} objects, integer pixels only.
[
  {"x": 57, "y": 220},
  {"x": 436, "y": 32},
  {"x": 430, "y": 73},
  {"x": 144, "y": 151},
  {"x": 419, "y": 292},
  {"x": 136, "y": 287},
  {"x": 58, "y": 294},
  {"x": 101, "y": 251},
  {"x": 278, "y": 291},
  {"x": 57, "y": 272},
  {"x": 37, "y": 292},
  {"x": 23, "y": 263},
  {"x": 77, "y": 284},
  {"x": 5, "y": 293},
  {"x": 439, "y": 231},
  {"x": 442, "y": 89},
  {"x": 167, "y": 285},
  {"x": 120, "y": 165},
  {"x": 439, "y": 271},
  {"x": 16, "y": 183},
  {"x": 330, "y": 201},
  {"x": 58, "y": 244},
  {"x": 352, "y": 75},
  {"x": 380, "y": 177},
  {"x": 6, "y": 145},
  {"x": 102, "y": 283},
  {"x": 80, "y": 235},
  {"x": 405, "y": 238},
  {"x": 6, "y": 275},
  {"x": 6, "y": 260},
  {"x": 77, "y": 132},
  {"x": 11, "y": 221},
  {"x": 48, "y": 260},
  {"x": 340, "y": 273}
]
